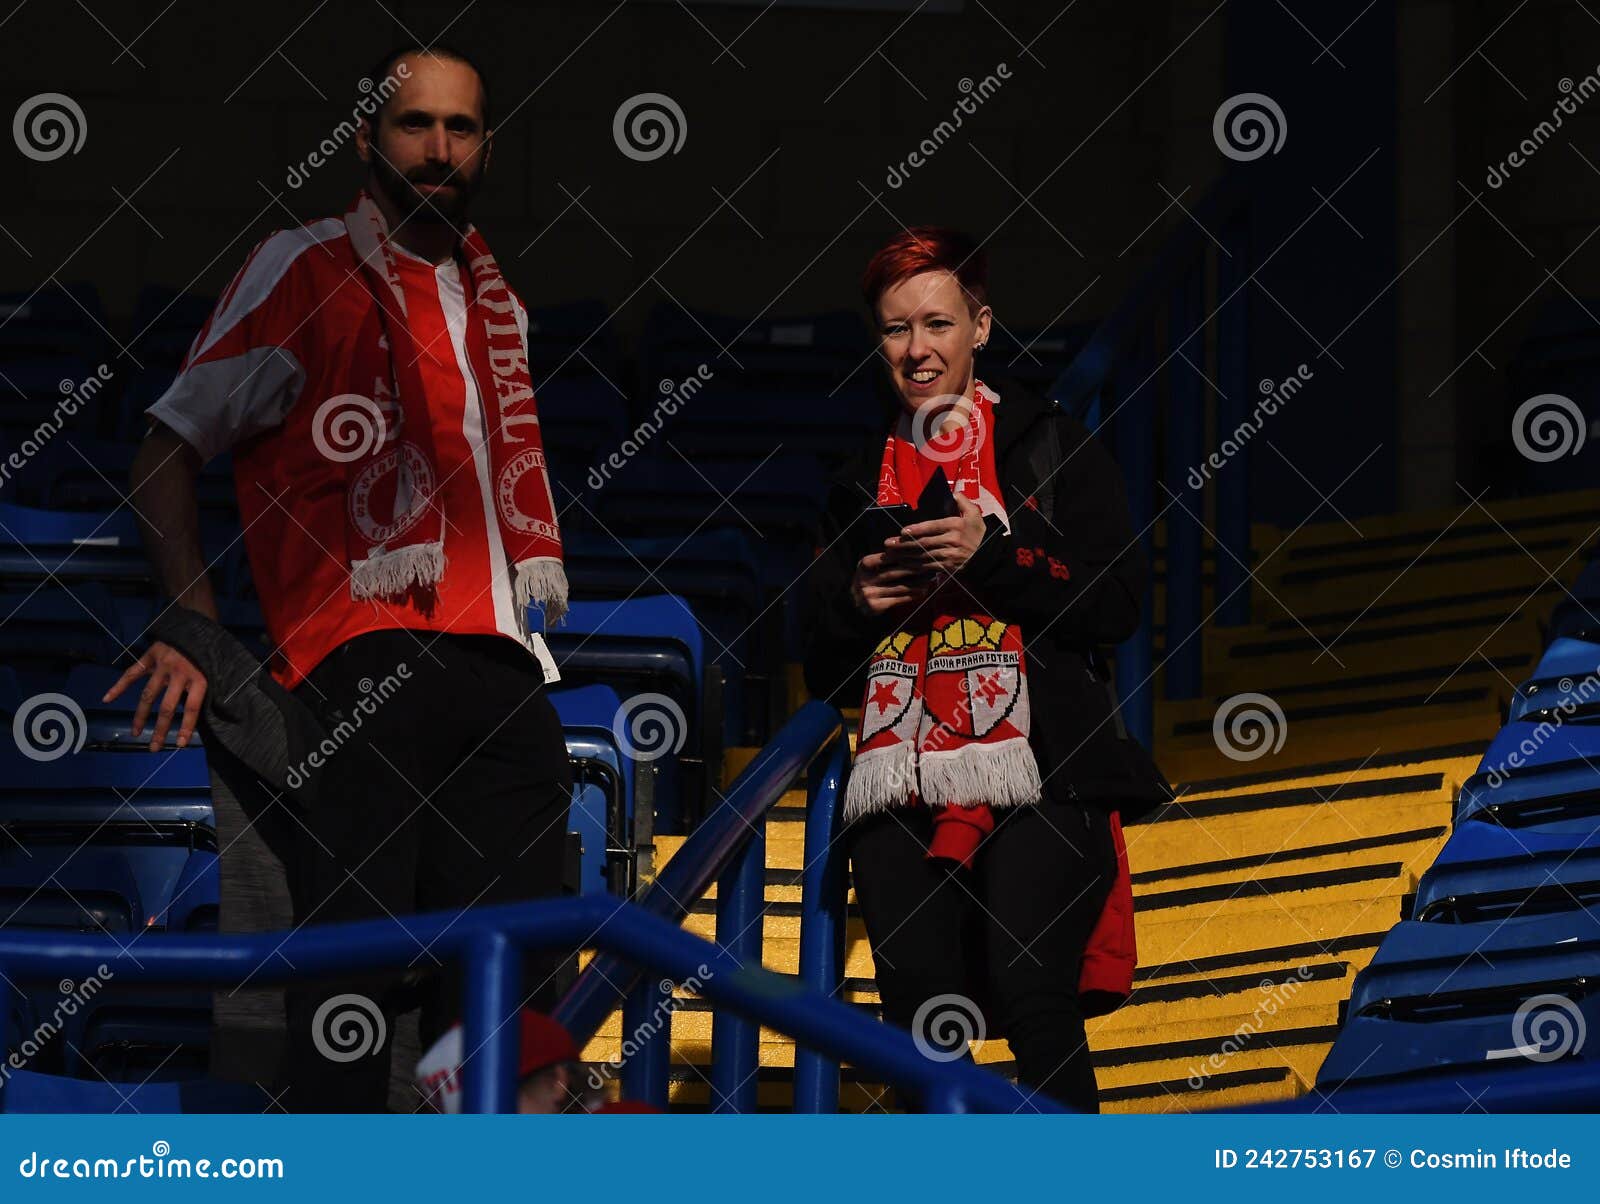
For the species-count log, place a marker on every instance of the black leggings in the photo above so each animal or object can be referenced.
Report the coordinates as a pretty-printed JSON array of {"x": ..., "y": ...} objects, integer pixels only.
[{"x": 1009, "y": 934}]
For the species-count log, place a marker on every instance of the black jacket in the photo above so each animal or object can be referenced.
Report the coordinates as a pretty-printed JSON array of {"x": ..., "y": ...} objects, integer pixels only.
[{"x": 1067, "y": 504}]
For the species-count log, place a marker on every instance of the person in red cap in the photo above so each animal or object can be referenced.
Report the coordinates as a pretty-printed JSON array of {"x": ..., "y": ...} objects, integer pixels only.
[{"x": 550, "y": 1073}]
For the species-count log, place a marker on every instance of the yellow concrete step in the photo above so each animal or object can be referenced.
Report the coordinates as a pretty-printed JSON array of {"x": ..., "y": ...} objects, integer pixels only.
[{"x": 1197, "y": 761}]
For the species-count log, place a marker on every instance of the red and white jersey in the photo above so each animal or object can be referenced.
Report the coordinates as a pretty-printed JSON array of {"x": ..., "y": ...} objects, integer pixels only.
[{"x": 296, "y": 327}]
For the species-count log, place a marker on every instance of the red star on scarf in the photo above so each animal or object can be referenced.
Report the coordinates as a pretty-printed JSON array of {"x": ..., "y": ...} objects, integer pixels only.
[
  {"x": 989, "y": 686},
  {"x": 884, "y": 695}
]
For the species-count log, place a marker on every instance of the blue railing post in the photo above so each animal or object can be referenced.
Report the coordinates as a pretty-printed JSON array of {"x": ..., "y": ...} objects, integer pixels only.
[
  {"x": 491, "y": 1029},
  {"x": 822, "y": 919},
  {"x": 1134, "y": 439},
  {"x": 1186, "y": 409},
  {"x": 735, "y": 1041},
  {"x": 647, "y": 1072},
  {"x": 1237, "y": 394}
]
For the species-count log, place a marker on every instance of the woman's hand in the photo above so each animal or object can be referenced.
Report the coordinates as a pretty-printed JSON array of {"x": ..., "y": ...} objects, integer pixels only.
[
  {"x": 943, "y": 545},
  {"x": 880, "y": 586}
]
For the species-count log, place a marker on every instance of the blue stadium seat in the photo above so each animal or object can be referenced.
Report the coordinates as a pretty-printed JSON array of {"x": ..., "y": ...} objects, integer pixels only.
[
  {"x": 1526, "y": 744},
  {"x": 31, "y": 1092},
  {"x": 1487, "y": 872},
  {"x": 62, "y": 320},
  {"x": 603, "y": 790},
  {"x": 46, "y": 630},
  {"x": 1566, "y": 656},
  {"x": 1447, "y": 996},
  {"x": 651, "y": 645},
  {"x": 1560, "y": 797}
]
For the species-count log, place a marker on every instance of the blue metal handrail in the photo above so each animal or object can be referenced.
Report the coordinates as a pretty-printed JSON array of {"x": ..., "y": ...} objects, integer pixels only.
[
  {"x": 488, "y": 943},
  {"x": 1113, "y": 379},
  {"x": 729, "y": 848}
]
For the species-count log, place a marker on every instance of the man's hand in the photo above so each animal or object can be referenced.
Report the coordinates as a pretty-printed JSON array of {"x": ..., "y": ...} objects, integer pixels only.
[
  {"x": 879, "y": 586},
  {"x": 942, "y": 545},
  {"x": 172, "y": 670}
]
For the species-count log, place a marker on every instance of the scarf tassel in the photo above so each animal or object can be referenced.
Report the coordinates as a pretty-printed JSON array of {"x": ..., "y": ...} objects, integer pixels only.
[
  {"x": 388, "y": 574},
  {"x": 1000, "y": 775},
  {"x": 541, "y": 579}
]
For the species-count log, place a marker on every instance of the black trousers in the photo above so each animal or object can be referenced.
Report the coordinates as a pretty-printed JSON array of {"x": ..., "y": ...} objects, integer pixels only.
[
  {"x": 1007, "y": 935},
  {"x": 454, "y": 789}
]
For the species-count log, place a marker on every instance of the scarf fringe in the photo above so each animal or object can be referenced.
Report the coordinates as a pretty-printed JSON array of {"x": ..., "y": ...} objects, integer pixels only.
[
  {"x": 389, "y": 574},
  {"x": 881, "y": 780},
  {"x": 541, "y": 579},
  {"x": 999, "y": 775}
]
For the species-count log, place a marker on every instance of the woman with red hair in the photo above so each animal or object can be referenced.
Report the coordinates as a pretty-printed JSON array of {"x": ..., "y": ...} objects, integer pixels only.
[{"x": 972, "y": 565}]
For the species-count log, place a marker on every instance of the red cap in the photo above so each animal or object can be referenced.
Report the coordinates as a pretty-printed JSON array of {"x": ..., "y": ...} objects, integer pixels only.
[{"x": 545, "y": 1042}]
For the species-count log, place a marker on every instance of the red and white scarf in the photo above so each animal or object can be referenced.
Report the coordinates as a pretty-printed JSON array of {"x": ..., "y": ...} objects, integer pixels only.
[
  {"x": 945, "y": 717},
  {"x": 409, "y": 550}
]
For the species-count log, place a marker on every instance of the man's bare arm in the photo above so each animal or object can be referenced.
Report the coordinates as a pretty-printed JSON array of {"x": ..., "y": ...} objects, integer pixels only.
[
  {"x": 163, "y": 478},
  {"x": 168, "y": 512}
]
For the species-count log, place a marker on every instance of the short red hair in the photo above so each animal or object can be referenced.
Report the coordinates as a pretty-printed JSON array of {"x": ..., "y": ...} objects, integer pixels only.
[{"x": 928, "y": 249}]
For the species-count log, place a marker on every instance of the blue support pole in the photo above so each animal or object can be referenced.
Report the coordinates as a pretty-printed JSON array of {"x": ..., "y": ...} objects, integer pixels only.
[
  {"x": 1186, "y": 409},
  {"x": 647, "y": 1021},
  {"x": 735, "y": 1041},
  {"x": 491, "y": 1027},
  {"x": 1134, "y": 441},
  {"x": 1238, "y": 395},
  {"x": 822, "y": 919}
]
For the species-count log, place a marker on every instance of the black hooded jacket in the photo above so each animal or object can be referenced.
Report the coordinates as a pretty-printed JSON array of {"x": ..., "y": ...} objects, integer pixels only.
[{"x": 1072, "y": 574}]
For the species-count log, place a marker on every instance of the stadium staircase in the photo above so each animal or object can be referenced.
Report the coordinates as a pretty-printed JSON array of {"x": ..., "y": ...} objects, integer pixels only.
[{"x": 1392, "y": 647}]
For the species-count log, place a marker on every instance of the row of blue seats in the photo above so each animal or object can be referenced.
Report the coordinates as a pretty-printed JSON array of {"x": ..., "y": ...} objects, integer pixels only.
[
  {"x": 1496, "y": 966},
  {"x": 107, "y": 836},
  {"x": 97, "y": 556}
]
